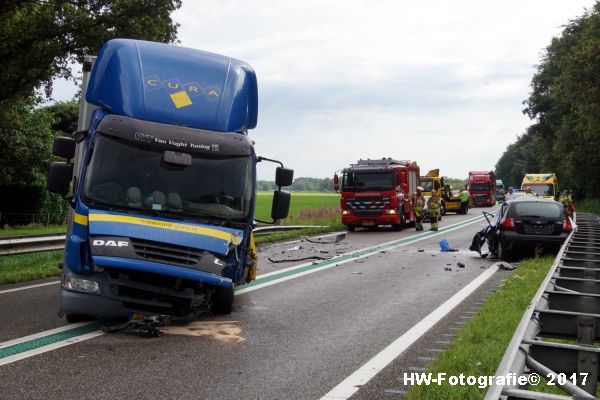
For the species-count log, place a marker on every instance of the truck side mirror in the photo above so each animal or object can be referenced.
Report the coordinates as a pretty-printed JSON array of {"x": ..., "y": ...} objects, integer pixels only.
[
  {"x": 64, "y": 146},
  {"x": 59, "y": 177},
  {"x": 284, "y": 176},
  {"x": 281, "y": 205},
  {"x": 336, "y": 182}
]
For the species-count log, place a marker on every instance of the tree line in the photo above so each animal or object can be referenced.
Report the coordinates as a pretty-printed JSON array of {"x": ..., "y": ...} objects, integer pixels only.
[
  {"x": 40, "y": 40},
  {"x": 564, "y": 105}
]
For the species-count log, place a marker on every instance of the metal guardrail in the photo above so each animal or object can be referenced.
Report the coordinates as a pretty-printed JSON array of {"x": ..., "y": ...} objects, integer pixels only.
[
  {"x": 39, "y": 243},
  {"x": 567, "y": 306},
  {"x": 31, "y": 244}
]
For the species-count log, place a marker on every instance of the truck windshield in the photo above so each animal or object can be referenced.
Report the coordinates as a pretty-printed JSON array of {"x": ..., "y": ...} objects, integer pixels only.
[
  {"x": 124, "y": 175},
  {"x": 368, "y": 180},
  {"x": 479, "y": 186},
  {"x": 540, "y": 189},
  {"x": 426, "y": 184}
]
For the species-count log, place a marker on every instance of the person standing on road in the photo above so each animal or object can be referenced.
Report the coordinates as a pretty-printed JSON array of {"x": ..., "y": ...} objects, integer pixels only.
[
  {"x": 464, "y": 200},
  {"x": 418, "y": 204},
  {"x": 434, "y": 206}
]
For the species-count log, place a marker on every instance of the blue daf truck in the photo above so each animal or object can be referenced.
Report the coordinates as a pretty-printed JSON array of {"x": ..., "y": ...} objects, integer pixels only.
[{"x": 161, "y": 179}]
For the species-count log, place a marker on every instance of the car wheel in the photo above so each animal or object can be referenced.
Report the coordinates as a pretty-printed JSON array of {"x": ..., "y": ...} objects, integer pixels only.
[
  {"x": 350, "y": 228},
  {"x": 503, "y": 253},
  {"x": 223, "y": 300},
  {"x": 443, "y": 209}
]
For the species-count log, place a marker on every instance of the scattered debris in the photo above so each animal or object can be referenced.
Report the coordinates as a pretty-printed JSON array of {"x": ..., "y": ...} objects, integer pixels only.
[
  {"x": 460, "y": 265},
  {"x": 295, "y": 248},
  {"x": 447, "y": 269},
  {"x": 356, "y": 273},
  {"x": 506, "y": 266},
  {"x": 338, "y": 238},
  {"x": 148, "y": 327},
  {"x": 298, "y": 259},
  {"x": 420, "y": 250},
  {"x": 445, "y": 246}
]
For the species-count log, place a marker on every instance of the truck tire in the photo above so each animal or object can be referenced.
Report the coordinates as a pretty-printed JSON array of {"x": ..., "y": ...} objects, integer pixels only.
[
  {"x": 223, "y": 300},
  {"x": 443, "y": 209},
  {"x": 350, "y": 228}
]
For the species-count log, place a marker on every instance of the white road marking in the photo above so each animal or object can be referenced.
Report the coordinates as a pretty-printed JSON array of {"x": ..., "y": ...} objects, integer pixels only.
[
  {"x": 29, "y": 287},
  {"x": 364, "y": 374}
]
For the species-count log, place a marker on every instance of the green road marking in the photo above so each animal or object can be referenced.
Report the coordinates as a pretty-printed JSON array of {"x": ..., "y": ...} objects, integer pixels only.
[
  {"x": 82, "y": 330},
  {"x": 47, "y": 340}
]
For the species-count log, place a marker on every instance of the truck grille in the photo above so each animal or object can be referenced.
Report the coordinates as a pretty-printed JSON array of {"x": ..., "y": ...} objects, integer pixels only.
[
  {"x": 368, "y": 207},
  {"x": 165, "y": 253}
]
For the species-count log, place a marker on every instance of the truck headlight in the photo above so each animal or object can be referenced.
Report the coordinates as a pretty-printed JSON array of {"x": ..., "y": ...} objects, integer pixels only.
[
  {"x": 388, "y": 211},
  {"x": 80, "y": 285},
  {"x": 345, "y": 212}
]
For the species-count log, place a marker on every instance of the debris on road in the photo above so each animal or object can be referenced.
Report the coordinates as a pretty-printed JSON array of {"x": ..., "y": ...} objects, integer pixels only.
[
  {"x": 298, "y": 259},
  {"x": 445, "y": 246},
  {"x": 460, "y": 265},
  {"x": 338, "y": 238},
  {"x": 447, "y": 269},
  {"x": 506, "y": 266}
]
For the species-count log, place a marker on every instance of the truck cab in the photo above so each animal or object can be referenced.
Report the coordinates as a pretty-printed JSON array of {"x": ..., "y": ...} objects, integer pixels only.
[
  {"x": 482, "y": 187},
  {"x": 161, "y": 181},
  {"x": 543, "y": 185}
]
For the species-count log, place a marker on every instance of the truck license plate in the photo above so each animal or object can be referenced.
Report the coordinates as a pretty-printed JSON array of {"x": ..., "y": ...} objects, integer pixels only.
[
  {"x": 137, "y": 317},
  {"x": 368, "y": 222}
]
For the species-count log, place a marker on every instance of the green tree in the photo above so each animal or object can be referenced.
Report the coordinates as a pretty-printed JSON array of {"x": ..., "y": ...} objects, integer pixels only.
[
  {"x": 26, "y": 140},
  {"x": 39, "y": 39},
  {"x": 565, "y": 107}
]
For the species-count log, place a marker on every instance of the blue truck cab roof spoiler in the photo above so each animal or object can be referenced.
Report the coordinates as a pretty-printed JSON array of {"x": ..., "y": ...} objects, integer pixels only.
[{"x": 199, "y": 90}]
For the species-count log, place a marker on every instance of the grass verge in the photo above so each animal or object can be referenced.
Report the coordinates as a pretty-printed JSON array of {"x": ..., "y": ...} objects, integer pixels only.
[
  {"x": 27, "y": 267},
  {"x": 483, "y": 340},
  {"x": 589, "y": 205},
  {"x": 32, "y": 230}
]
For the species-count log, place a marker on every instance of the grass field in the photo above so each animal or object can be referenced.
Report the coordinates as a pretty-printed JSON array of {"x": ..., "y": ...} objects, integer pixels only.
[{"x": 306, "y": 208}]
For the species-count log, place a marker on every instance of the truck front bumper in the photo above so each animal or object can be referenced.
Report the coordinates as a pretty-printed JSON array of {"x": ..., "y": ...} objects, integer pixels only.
[{"x": 384, "y": 219}]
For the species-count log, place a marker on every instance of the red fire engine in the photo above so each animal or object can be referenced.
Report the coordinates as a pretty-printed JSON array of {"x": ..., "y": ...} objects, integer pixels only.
[{"x": 378, "y": 192}]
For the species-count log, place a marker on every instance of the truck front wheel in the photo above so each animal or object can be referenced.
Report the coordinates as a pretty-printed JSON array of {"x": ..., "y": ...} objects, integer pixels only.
[
  {"x": 223, "y": 300},
  {"x": 350, "y": 228}
]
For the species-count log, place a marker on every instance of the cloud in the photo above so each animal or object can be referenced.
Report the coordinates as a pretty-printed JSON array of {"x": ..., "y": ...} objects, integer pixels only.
[{"x": 435, "y": 81}]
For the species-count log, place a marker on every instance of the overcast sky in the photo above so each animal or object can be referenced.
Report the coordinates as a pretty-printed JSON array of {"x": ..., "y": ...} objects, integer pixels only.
[{"x": 439, "y": 82}]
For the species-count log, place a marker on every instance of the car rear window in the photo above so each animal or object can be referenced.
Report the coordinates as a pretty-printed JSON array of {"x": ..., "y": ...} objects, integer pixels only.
[{"x": 535, "y": 209}]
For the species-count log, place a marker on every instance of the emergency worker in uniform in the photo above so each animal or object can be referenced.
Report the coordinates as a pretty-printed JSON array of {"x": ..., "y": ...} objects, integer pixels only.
[
  {"x": 567, "y": 202},
  {"x": 464, "y": 200},
  {"x": 434, "y": 207},
  {"x": 418, "y": 203}
]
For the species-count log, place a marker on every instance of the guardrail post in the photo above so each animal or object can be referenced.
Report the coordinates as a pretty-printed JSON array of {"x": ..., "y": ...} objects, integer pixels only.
[{"x": 587, "y": 363}]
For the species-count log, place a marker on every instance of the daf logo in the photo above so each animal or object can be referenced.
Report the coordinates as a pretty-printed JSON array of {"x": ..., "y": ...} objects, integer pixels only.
[{"x": 110, "y": 243}]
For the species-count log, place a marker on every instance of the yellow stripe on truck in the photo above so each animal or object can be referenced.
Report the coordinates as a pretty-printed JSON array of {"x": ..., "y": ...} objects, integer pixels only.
[
  {"x": 173, "y": 226},
  {"x": 80, "y": 219}
]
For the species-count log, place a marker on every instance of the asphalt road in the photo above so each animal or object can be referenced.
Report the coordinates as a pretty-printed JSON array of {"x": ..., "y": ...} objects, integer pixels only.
[{"x": 296, "y": 338}]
